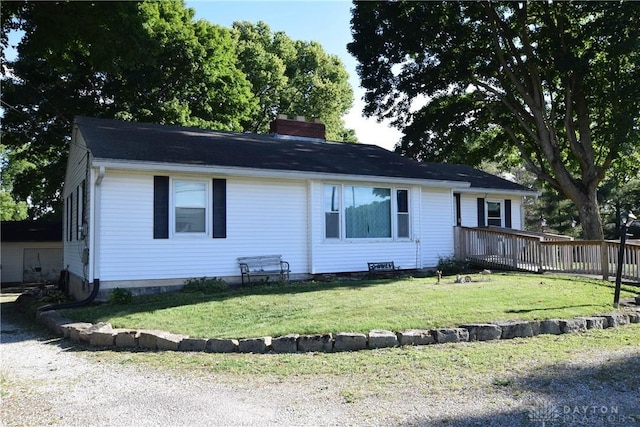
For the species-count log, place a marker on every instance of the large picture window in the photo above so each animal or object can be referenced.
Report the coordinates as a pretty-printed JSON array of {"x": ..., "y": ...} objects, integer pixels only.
[
  {"x": 367, "y": 212},
  {"x": 362, "y": 212},
  {"x": 190, "y": 201}
]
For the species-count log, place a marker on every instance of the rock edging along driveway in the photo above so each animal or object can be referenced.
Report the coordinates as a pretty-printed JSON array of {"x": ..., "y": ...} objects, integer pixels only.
[{"x": 103, "y": 335}]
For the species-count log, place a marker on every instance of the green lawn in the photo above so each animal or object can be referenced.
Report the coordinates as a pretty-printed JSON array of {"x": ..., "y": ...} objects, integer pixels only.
[{"x": 359, "y": 306}]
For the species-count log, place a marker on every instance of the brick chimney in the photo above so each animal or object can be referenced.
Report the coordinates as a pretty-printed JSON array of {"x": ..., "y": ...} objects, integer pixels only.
[{"x": 282, "y": 126}]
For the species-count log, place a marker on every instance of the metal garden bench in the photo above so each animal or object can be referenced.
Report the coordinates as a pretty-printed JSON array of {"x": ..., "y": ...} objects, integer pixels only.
[{"x": 263, "y": 265}]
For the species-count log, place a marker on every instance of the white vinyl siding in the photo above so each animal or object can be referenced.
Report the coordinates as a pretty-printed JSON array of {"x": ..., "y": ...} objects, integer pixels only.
[
  {"x": 517, "y": 222},
  {"x": 264, "y": 217},
  {"x": 437, "y": 225},
  {"x": 74, "y": 242}
]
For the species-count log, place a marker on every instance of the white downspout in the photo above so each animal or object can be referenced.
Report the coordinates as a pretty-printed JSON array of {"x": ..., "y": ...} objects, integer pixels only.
[
  {"x": 310, "y": 227},
  {"x": 95, "y": 216}
]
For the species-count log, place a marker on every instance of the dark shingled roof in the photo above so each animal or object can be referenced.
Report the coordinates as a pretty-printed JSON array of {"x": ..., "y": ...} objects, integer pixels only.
[
  {"x": 32, "y": 231},
  {"x": 477, "y": 178},
  {"x": 143, "y": 142}
]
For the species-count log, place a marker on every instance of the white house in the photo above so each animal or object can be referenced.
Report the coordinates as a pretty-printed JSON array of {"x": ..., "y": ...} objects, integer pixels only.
[{"x": 148, "y": 206}]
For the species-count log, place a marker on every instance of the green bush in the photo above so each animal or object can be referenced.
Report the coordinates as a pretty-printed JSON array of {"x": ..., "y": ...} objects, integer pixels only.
[
  {"x": 450, "y": 266},
  {"x": 120, "y": 296},
  {"x": 205, "y": 285},
  {"x": 54, "y": 296}
]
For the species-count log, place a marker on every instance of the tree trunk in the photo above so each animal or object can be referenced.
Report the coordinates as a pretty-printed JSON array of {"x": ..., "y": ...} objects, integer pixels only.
[{"x": 589, "y": 212}]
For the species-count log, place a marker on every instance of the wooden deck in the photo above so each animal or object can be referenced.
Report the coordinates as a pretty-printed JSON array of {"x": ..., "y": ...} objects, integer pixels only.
[{"x": 508, "y": 249}]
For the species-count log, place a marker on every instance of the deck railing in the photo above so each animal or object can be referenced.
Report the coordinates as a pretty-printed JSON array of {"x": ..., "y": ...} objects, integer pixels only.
[{"x": 540, "y": 252}]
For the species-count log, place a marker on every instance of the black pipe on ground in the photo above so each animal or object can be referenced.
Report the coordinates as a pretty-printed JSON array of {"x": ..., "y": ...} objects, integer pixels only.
[{"x": 75, "y": 304}]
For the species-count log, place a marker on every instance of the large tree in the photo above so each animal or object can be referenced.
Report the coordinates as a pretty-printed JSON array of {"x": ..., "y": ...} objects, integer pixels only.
[
  {"x": 554, "y": 82},
  {"x": 143, "y": 61},
  {"x": 293, "y": 77},
  {"x": 146, "y": 61},
  {"x": 10, "y": 209}
]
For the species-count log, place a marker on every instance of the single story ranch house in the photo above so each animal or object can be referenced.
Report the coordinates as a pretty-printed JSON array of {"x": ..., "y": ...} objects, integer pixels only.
[{"x": 148, "y": 206}]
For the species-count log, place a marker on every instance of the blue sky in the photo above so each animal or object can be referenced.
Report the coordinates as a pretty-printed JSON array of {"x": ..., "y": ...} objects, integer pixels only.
[{"x": 327, "y": 22}]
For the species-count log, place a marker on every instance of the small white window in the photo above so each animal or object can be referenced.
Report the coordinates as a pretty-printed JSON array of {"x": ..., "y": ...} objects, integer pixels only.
[
  {"x": 494, "y": 213},
  {"x": 332, "y": 212},
  {"x": 402, "y": 206},
  {"x": 190, "y": 204}
]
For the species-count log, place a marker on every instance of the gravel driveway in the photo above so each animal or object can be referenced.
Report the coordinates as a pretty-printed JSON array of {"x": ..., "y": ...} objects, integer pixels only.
[{"x": 43, "y": 383}]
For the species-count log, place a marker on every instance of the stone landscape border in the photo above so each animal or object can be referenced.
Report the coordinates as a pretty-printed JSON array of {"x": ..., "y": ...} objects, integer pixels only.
[{"x": 103, "y": 335}]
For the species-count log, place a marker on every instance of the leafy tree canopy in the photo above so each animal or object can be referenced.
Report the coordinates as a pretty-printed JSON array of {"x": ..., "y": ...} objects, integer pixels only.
[
  {"x": 145, "y": 61},
  {"x": 294, "y": 78},
  {"x": 12, "y": 210},
  {"x": 550, "y": 84},
  {"x": 136, "y": 61}
]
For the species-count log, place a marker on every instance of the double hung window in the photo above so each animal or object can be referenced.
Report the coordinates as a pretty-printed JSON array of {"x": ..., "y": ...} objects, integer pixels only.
[
  {"x": 190, "y": 204},
  {"x": 332, "y": 211},
  {"x": 494, "y": 213},
  {"x": 183, "y": 207},
  {"x": 402, "y": 203}
]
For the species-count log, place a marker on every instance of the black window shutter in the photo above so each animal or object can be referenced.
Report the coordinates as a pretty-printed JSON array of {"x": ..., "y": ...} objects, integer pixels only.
[
  {"x": 458, "y": 213},
  {"x": 83, "y": 211},
  {"x": 84, "y": 202},
  {"x": 70, "y": 217},
  {"x": 160, "y": 207},
  {"x": 78, "y": 213},
  {"x": 68, "y": 222},
  {"x": 507, "y": 213},
  {"x": 481, "y": 212},
  {"x": 219, "y": 208}
]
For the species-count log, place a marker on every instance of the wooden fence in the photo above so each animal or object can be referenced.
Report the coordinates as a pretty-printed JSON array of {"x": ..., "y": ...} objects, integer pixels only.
[{"x": 540, "y": 252}]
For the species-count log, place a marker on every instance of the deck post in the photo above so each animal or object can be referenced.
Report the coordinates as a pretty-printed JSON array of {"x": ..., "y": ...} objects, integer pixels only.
[
  {"x": 457, "y": 242},
  {"x": 604, "y": 260},
  {"x": 513, "y": 246},
  {"x": 540, "y": 250},
  {"x": 637, "y": 258}
]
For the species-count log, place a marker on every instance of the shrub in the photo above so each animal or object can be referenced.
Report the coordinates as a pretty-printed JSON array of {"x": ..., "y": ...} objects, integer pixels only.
[
  {"x": 267, "y": 282},
  {"x": 120, "y": 296},
  {"x": 54, "y": 296},
  {"x": 450, "y": 266},
  {"x": 205, "y": 285}
]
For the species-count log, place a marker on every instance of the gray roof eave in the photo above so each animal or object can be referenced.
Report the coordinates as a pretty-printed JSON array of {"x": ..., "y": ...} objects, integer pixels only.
[
  {"x": 268, "y": 173},
  {"x": 499, "y": 191}
]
